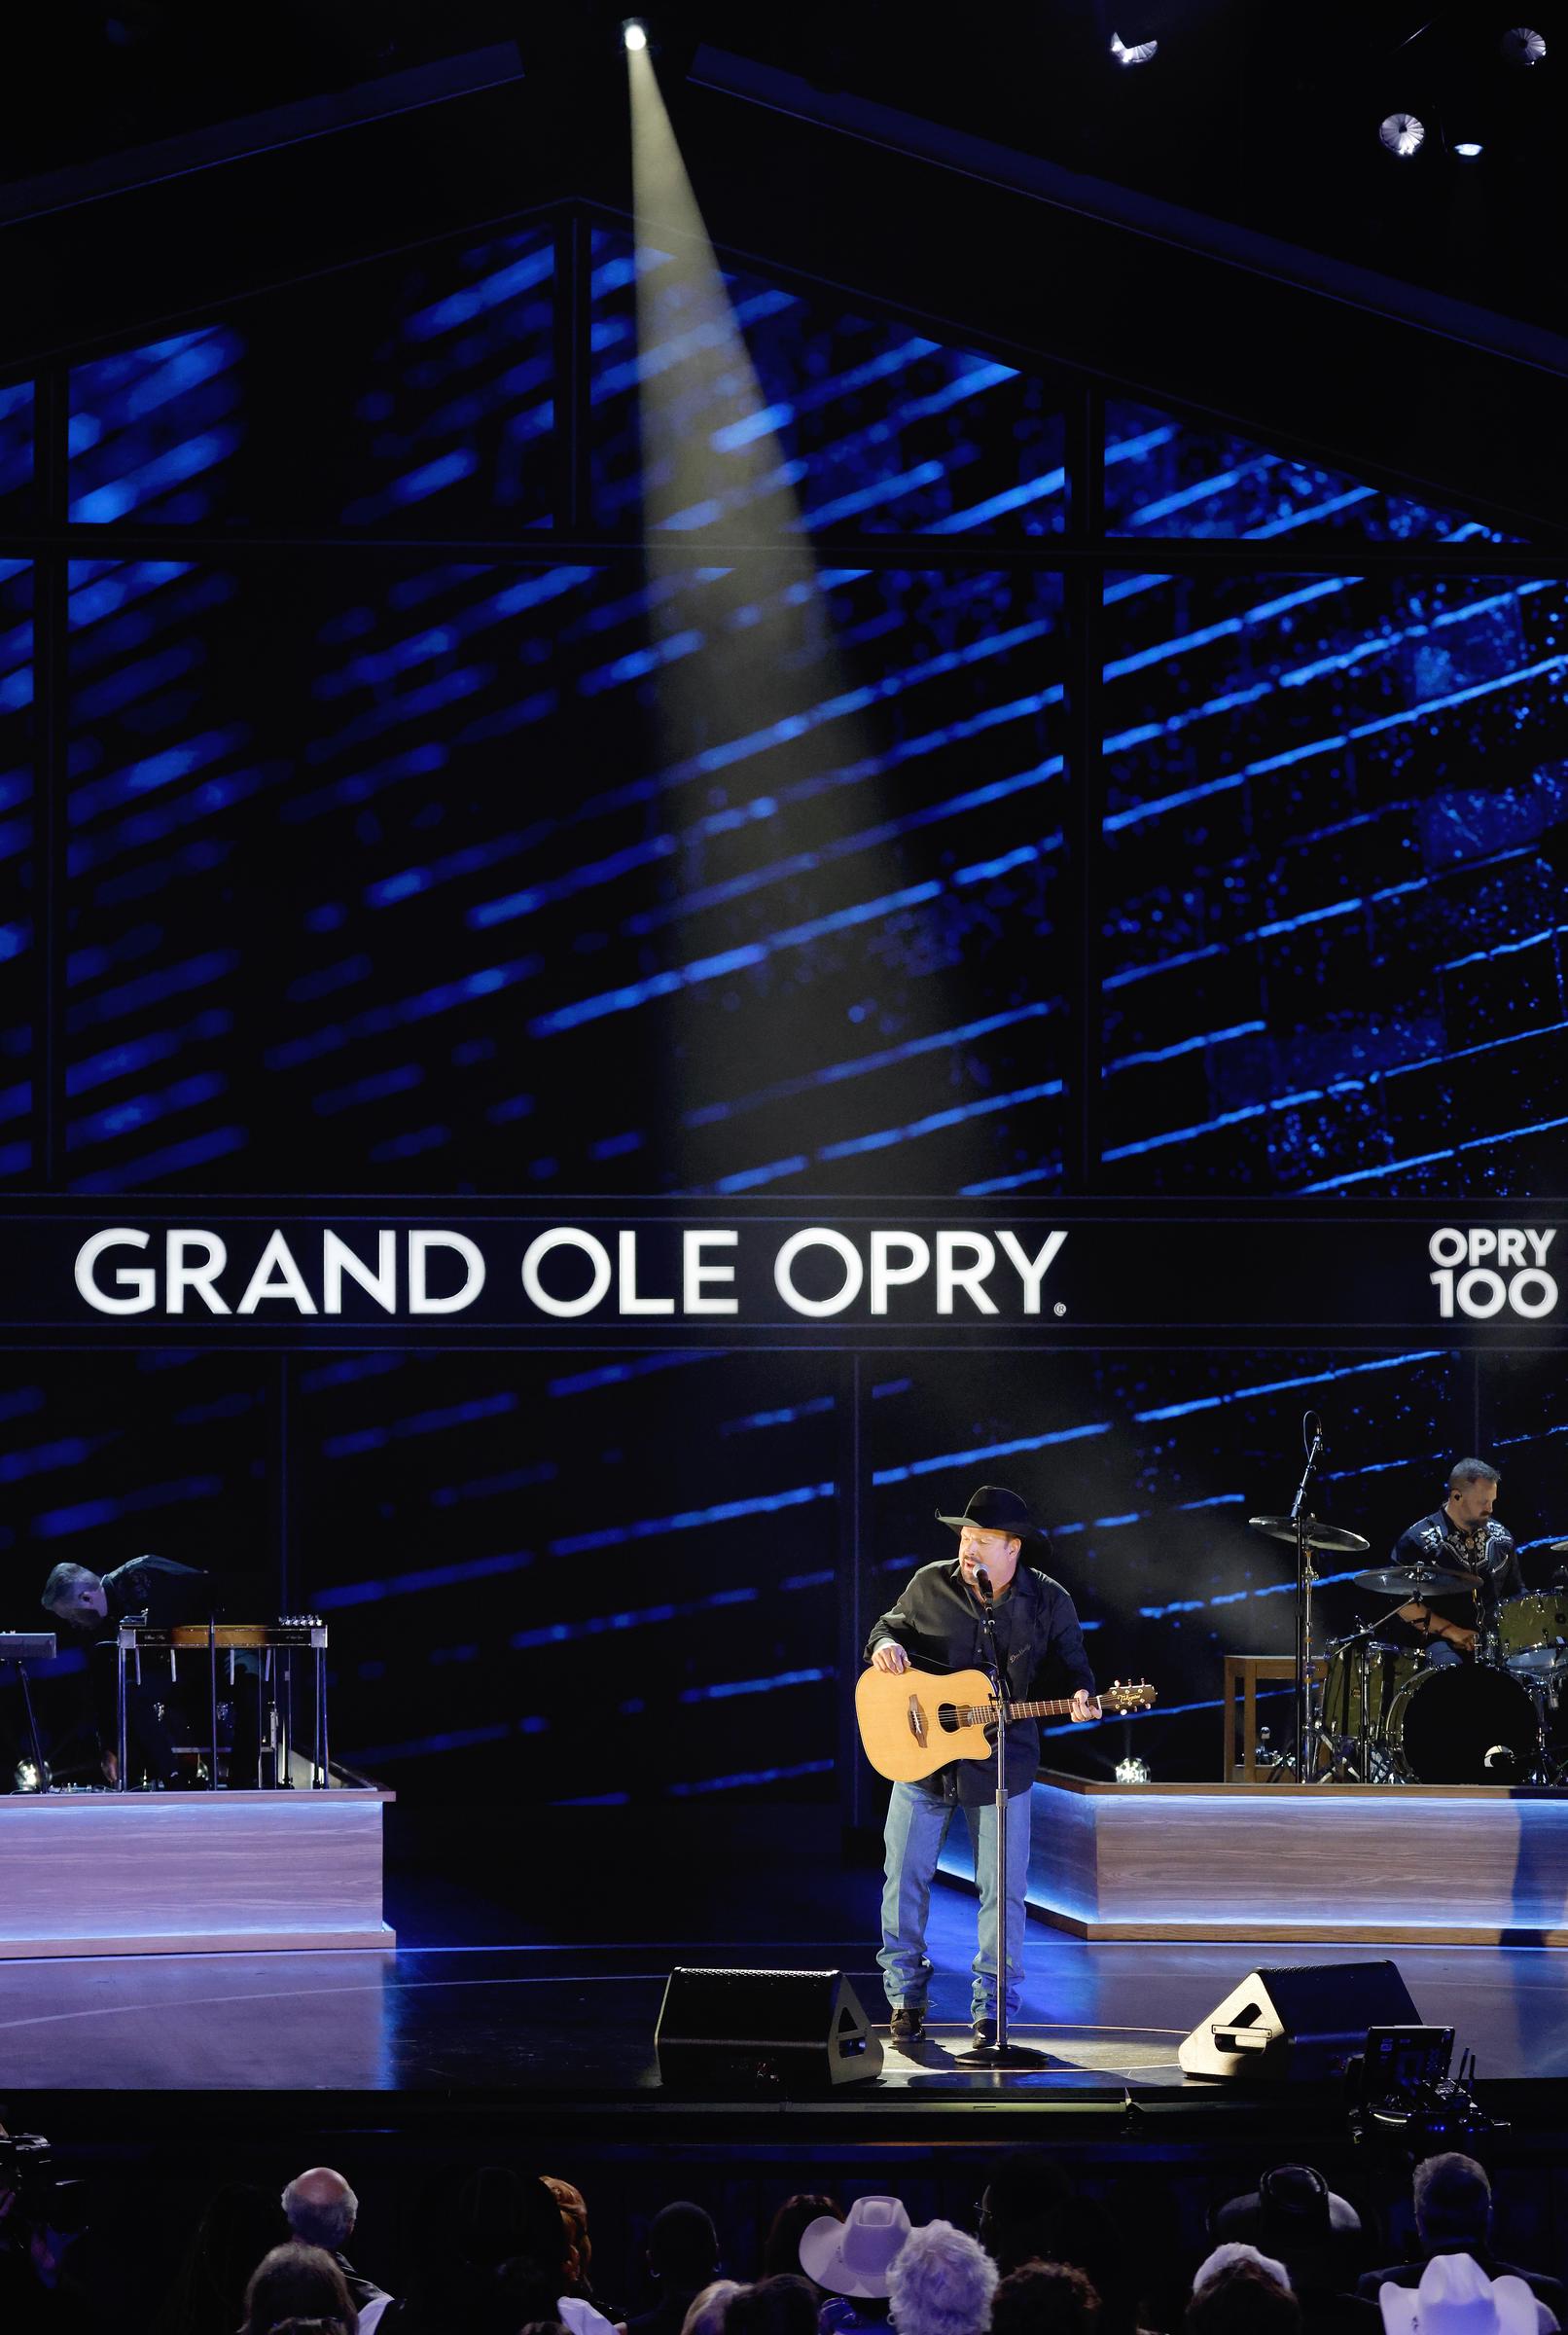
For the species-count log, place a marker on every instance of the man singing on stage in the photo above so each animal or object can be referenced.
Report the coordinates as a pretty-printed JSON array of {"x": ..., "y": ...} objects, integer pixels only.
[
  {"x": 938, "y": 1625},
  {"x": 1462, "y": 1537}
]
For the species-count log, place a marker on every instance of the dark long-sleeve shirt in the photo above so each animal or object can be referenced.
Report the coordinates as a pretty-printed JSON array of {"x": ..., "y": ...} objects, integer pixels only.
[
  {"x": 166, "y": 1591},
  {"x": 939, "y": 1623},
  {"x": 1435, "y": 1541}
]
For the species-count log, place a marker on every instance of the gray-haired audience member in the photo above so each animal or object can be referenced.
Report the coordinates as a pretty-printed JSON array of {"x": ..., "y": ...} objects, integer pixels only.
[
  {"x": 1239, "y": 2291},
  {"x": 1453, "y": 2215},
  {"x": 321, "y": 2210},
  {"x": 942, "y": 2283},
  {"x": 1233, "y": 2253},
  {"x": 705, "y": 2316}
]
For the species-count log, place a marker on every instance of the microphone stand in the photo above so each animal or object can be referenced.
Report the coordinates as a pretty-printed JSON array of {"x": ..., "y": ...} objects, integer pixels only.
[
  {"x": 1305, "y": 1578},
  {"x": 45, "y": 1781},
  {"x": 1001, "y": 2052}
]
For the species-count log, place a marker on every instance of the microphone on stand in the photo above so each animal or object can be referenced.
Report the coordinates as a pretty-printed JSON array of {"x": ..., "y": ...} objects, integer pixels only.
[{"x": 983, "y": 1582}]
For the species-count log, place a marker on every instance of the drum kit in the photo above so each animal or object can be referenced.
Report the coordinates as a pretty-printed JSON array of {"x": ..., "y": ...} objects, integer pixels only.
[{"x": 1390, "y": 1714}]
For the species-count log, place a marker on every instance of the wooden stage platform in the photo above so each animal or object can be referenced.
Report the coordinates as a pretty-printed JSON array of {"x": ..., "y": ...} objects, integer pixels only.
[
  {"x": 1365, "y": 1864},
  {"x": 573, "y": 2025},
  {"x": 116, "y": 1873},
  {"x": 533, "y": 1952}
]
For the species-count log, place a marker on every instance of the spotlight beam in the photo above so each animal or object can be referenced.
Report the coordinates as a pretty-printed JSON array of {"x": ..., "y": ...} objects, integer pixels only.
[
  {"x": 683, "y": 474},
  {"x": 713, "y": 465}
]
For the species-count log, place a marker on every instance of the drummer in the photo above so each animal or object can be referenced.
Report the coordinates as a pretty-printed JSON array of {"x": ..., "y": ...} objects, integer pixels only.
[{"x": 1465, "y": 1538}]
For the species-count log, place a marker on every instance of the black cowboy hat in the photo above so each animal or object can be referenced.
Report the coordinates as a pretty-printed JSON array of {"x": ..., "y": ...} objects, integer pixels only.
[
  {"x": 1293, "y": 2212},
  {"x": 994, "y": 1509}
]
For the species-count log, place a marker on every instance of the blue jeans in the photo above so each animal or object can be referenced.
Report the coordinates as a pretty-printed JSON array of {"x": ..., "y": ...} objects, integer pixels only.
[{"x": 917, "y": 1826}]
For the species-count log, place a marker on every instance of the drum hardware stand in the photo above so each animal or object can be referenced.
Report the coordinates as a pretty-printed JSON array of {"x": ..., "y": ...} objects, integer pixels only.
[
  {"x": 1545, "y": 1769},
  {"x": 1355, "y": 1751},
  {"x": 1305, "y": 1578},
  {"x": 1303, "y": 1533},
  {"x": 1001, "y": 2052},
  {"x": 40, "y": 1765},
  {"x": 212, "y": 1697},
  {"x": 1318, "y": 1738}
]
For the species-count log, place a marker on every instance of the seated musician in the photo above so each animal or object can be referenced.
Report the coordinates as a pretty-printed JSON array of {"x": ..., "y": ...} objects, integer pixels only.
[
  {"x": 1462, "y": 1537},
  {"x": 87, "y": 1609}
]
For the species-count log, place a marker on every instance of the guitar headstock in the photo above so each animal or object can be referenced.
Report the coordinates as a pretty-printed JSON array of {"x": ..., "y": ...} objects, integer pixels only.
[{"x": 1134, "y": 1695}]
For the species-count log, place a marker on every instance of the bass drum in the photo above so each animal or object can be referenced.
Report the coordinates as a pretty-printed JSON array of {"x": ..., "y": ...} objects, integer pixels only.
[{"x": 1460, "y": 1724}]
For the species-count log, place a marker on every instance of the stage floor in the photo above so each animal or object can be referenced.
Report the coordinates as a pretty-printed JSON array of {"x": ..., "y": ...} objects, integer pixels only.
[{"x": 574, "y": 2024}]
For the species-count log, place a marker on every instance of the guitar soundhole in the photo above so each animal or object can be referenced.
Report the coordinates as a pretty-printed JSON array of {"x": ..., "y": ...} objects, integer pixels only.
[{"x": 947, "y": 1717}]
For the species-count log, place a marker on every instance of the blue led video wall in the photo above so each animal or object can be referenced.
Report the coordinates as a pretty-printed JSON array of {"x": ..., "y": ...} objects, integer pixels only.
[
  {"x": 18, "y": 994},
  {"x": 1335, "y": 849},
  {"x": 401, "y": 863},
  {"x": 413, "y": 872},
  {"x": 420, "y": 387},
  {"x": 487, "y": 928},
  {"x": 866, "y": 421}
]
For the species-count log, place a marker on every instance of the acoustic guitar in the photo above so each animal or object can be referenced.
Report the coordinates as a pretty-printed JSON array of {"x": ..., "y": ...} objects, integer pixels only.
[{"x": 913, "y": 1722}]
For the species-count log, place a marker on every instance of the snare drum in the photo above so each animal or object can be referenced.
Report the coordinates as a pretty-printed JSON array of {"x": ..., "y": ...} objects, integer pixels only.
[
  {"x": 1357, "y": 1697},
  {"x": 1463, "y": 1723},
  {"x": 1532, "y": 1632}
]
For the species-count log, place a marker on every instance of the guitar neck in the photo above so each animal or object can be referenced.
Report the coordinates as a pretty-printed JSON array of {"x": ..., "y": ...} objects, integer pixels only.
[{"x": 984, "y": 1714}]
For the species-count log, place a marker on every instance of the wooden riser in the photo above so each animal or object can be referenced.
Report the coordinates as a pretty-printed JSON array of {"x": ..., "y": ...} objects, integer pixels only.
[
  {"x": 191, "y": 1873},
  {"x": 1355, "y": 1864}
]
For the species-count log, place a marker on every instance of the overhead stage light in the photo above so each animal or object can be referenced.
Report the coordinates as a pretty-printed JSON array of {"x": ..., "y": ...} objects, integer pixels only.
[
  {"x": 1138, "y": 54},
  {"x": 1402, "y": 134},
  {"x": 1522, "y": 46},
  {"x": 635, "y": 34},
  {"x": 1467, "y": 149}
]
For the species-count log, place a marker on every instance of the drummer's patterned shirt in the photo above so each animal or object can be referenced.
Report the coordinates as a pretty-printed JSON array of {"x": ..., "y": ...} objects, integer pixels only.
[{"x": 1437, "y": 1540}]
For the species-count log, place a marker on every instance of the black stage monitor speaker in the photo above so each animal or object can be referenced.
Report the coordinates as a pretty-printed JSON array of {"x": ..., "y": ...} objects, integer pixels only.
[
  {"x": 738, "y": 2032},
  {"x": 1301, "y": 2023}
]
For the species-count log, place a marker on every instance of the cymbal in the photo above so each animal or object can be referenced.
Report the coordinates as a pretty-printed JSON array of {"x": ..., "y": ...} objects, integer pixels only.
[
  {"x": 1557, "y": 1548},
  {"x": 1331, "y": 1538},
  {"x": 1415, "y": 1581}
]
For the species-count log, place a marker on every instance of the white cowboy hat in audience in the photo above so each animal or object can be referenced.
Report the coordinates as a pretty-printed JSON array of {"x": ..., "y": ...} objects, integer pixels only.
[
  {"x": 854, "y": 2257},
  {"x": 1456, "y": 2297}
]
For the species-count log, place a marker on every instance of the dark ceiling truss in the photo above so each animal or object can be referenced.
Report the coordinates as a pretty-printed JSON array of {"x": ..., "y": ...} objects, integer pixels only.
[{"x": 572, "y": 223}]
